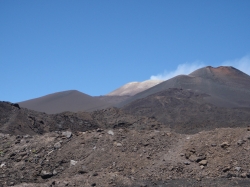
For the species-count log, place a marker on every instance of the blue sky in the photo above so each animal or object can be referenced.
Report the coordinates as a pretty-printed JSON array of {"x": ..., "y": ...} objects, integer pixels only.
[{"x": 97, "y": 46}]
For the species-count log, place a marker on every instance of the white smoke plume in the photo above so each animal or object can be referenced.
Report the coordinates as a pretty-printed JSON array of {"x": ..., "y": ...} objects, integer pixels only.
[
  {"x": 243, "y": 64},
  {"x": 182, "y": 69}
]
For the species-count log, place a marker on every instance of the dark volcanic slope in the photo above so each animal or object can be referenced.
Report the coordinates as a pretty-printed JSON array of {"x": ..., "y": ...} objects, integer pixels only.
[
  {"x": 186, "y": 111},
  {"x": 226, "y": 86},
  {"x": 71, "y": 100},
  {"x": 113, "y": 100},
  {"x": 15, "y": 120},
  {"x": 19, "y": 121}
]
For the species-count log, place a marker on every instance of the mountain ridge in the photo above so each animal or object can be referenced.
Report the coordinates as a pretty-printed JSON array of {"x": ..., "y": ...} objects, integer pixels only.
[{"x": 225, "y": 85}]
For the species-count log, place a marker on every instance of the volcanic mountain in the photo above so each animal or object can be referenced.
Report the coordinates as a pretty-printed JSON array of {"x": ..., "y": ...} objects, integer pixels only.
[
  {"x": 74, "y": 101},
  {"x": 71, "y": 100},
  {"x": 225, "y": 86}
]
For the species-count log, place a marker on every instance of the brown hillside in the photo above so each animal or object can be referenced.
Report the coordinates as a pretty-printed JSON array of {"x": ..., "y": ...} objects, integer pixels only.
[{"x": 71, "y": 100}]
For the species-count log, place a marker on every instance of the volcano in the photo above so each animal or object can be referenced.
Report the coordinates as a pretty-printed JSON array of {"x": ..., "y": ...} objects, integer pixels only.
[{"x": 225, "y": 86}]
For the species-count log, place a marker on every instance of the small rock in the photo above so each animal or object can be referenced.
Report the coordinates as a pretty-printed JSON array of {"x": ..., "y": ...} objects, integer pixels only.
[
  {"x": 193, "y": 158},
  {"x": 46, "y": 174},
  {"x": 187, "y": 155},
  {"x": 119, "y": 145},
  {"x": 192, "y": 150},
  {"x": 99, "y": 130},
  {"x": 27, "y": 136},
  {"x": 57, "y": 145},
  {"x": 3, "y": 165},
  {"x": 11, "y": 183},
  {"x": 66, "y": 183},
  {"x": 169, "y": 134},
  {"x": 213, "y": 144},
  {"x": 226, "y": 169},
  {"x": 146, "y": 144},
  {"x": 170, "y": 168},
  {"x": 73, "y": 162},
  {"x": 83, "y": 170},
  {"x": 187, "y": 163},
  {"x": 19, "y": 137},
  {"x": 54, "y": 172},
  {"x": 230, "y": 175},
  {"x": 243, "y": 175},
  {"x": 202, "y": 167},
  {"x": 110, "y": 132},
  {"x": 248, "y": 175},
  {"x": 95, "y": 174},
  {"x": 225, "y": 145},
  {"x": 93, "y": 184},
  {"x": 237, "y": 168},
  {"x": 67, "y": 134},
  {"x": 15, "y": 105},
  {"x": 12, "y": 155},
  {"x": 240, "y": 142},
  {"x": 203, "y": 162}
]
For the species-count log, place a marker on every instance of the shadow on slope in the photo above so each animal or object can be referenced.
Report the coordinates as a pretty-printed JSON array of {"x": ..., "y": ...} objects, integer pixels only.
[
  {"x": 186, "y": 111},
  {"x": 21, "y": 121}
]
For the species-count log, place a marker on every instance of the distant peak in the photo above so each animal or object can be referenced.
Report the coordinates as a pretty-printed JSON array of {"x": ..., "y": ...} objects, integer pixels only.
[
  {"x": 220, "y": 71},
  {"x": 221, "y": 67}
]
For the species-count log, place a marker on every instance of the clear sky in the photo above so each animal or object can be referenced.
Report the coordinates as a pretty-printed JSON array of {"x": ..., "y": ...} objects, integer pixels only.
[{"x": 96, "y": 46}]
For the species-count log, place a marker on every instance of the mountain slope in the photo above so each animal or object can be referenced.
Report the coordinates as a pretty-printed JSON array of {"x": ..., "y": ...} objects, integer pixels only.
[
  {"x": 16, "y": 120},
  {"x": 227, "y": 86},
  {"x": 21, "y": 121},
  {"x": 71, "y": 100},
  {"x": 186, "y": 111}
]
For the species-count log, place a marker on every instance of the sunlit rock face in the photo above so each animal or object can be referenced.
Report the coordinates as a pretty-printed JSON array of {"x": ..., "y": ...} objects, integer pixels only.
[{"x": 133, "y": 88}]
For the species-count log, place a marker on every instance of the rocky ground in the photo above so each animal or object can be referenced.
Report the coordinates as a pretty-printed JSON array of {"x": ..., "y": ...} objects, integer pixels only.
[
  {"x": 110, "y": 147},
  {"x": 126, "y": 157}
]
